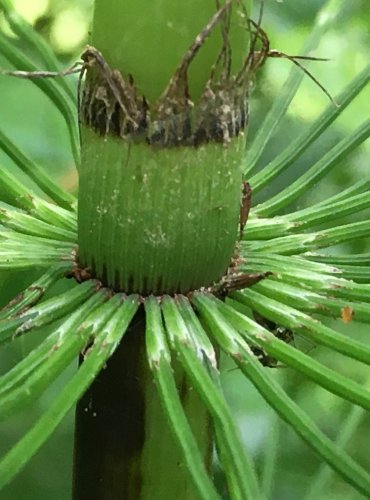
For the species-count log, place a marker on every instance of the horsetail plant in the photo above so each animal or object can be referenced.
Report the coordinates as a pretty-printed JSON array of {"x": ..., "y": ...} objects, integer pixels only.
[{"x": 168, "y": 272}]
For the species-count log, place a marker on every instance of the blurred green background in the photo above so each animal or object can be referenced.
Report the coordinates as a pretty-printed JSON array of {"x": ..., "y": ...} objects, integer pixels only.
[{"x": 37, "y": 127}]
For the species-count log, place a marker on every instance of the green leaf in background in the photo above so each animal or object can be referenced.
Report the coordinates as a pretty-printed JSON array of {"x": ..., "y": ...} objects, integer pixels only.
[{"x": 308, "y": 231}]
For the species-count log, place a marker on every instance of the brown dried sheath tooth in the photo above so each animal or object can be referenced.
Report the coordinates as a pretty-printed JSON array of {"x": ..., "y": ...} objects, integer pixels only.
[
  {"x": 245, "y": 207},
  {"x": 112, "y": 105}
]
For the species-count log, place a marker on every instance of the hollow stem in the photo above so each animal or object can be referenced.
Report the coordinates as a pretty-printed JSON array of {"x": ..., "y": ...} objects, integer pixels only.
[
  {"x": 124, "y": 449},
  {"x": 160, "y": 176},
  {"x": 163, "y": 117}
]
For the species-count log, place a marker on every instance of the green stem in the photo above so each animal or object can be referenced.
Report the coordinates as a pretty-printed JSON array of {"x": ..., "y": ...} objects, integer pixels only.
[
  {"x": 160, "y": 185},
  {"x": 160, "y": 176},
  {"x": 149, "y": 41},
  {"x": 180, "y": 207},
  {"x": 124, "y": 448}
]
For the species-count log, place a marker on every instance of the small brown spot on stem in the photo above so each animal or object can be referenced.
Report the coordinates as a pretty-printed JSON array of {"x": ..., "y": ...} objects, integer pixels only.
[
  {"x": 245, "y": 206},
  {"x": 347, "y": 314}
]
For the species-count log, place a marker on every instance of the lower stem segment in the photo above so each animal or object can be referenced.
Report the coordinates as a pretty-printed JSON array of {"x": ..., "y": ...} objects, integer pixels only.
[
  {"x": 124, "y": 449},
  {"x": 158, "y": 220}
]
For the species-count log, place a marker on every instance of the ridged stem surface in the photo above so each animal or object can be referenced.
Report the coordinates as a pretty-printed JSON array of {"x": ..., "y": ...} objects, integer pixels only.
[{"x": 161, "y": 220}]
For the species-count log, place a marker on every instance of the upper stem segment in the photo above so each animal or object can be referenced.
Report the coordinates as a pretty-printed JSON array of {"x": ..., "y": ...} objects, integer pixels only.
[{"x": 160, "y": 177}]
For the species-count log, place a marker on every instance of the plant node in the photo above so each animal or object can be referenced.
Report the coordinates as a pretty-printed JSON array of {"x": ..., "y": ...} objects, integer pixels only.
[{"x": 111, "y": 103}]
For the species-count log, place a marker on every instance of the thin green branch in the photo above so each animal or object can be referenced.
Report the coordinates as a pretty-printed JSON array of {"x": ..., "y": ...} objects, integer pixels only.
[
  {"x": 50, "y": 87},
  {"x": 40, "y": 47},
  {"x": 351, "y": 200},
  {"x": 325, "y": 377},
  {"x": 324, "y": 20},
  {"x": 360, "y": 274},
  {"x": 313, "y": 302},
  {"x": 13, "y": 192},
  {"x": 301, "y": 143},
  {"x": 54, "y": 215},
  {"x": 34, "y": 257},
  {"x": 282, "y": 263},
  {"x": 12, "y": 238},
  {"x": 340, "y": 259},
  {"x": 347, "y": 430},
  {"x": 26, "y": 224},
  {"x": 229, "y": 340},
  {"x": 22, "y": 370},
  {"x": 199, "y": 337},
  {"x": 22, "y": 251},
  {"x": 300, "y": 243},
  {"x": 305, "y": 325},
  {"x": 17, "y": 195},
  {"x": 48, "y": 311},
  {"x": 106, "y": 343},
  {"x": 159, "y": 362},
  {"x": 315, "y": 173},
  {"x": 36, "y": 173},
  {"x": 207, "y": 355},
  {"x": 317, "y": 215},
  {"x": 243, "y": 482},
  {"x": 307, "y": 277},
  {"x": 42, "y": 354},
  {"x": 71, "y": 340},
  {"x": 264, "y": 229},
  {"x": 361, "y": 187},
  {"x": 34, "y": 292},
  {"x": 271, "y": 454}
]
